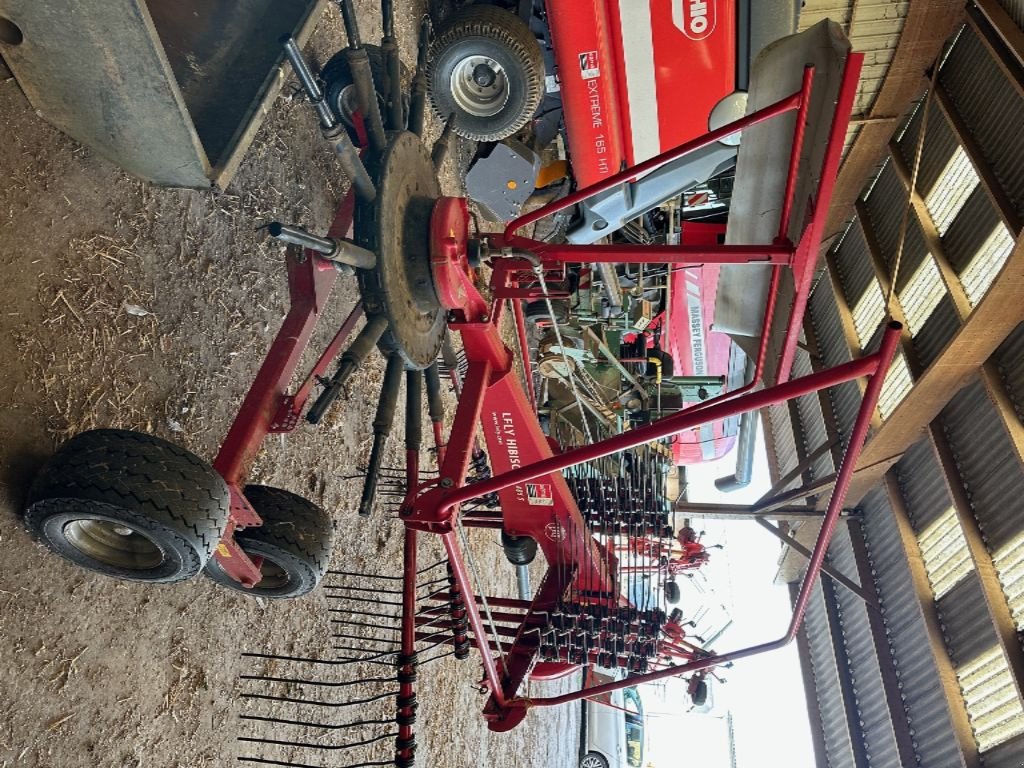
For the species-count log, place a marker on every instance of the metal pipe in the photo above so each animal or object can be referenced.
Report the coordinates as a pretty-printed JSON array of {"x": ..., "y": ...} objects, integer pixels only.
[
  {"x": 350, "y": 161},
  {"x": 392, "y": 67},
  {"x": 351, "y": 22},
  {"x": 882, "y": 359},
  {"x": 308, "y": 82},
  {"x": 524, "y": 348},
  {"x": 670, "y": 425},
  {"x": 418, "y": 95},
  {"x": 302, "y": 237},
  {"x": 381, "y": 429},
  {"x": 523, "y": 582},
  {"x": 341, "y": 251},
  {"x": 366, "y": 93},
  {"x": 351, "y": 359}
]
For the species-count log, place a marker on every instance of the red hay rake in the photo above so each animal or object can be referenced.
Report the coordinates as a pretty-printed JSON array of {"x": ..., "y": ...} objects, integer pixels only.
[{"x": 581, "y": 612}]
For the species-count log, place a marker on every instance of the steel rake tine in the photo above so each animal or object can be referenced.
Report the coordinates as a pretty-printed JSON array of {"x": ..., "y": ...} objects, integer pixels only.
[
  {"x": 308, "y": 745},
  {"x": 325, "y": 684},
  {"x": 315, "y": 703},
  {"x": 264, "y": 761},
  {"x": 307, "y": 724}
]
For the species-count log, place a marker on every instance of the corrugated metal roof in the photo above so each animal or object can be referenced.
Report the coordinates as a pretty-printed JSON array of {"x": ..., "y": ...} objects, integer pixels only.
[
  {"x": 872, "y": 702},
  {"x": 977, "y": 86},
  {"x": 785, "y": 443},
  {"x": 1016, "y": 10},
  {"x": 994, "y": 480},
  {"x": 966, "y": 627},
  {"x": 984, "y": 266},
  {"x": 1009, "y": 754},
  {"x": 923, "y": 699},
  {"x": 834, "y": 350},
  {"x": 988, "y": 464},
  {"x": 1010, "y": 359},
  {"x": 812, "y": 422},
  {"x": 896, "y": 386},
  {"x": 939, "y": 146},
  {"x": 826, "y": 683},
  {"x": 940, "y": 327},
  {"x": 992, "y": 702}
]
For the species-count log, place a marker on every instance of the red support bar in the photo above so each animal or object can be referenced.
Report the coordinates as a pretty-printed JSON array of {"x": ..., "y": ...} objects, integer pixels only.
[
  {"x": 681, "y": 255},
  {"x": 794, "y": 157},
  {"x": 662, "y": 428},
  {"x": 772, "y": 110},
  {"x": 881, "y": 360},
  {"x": 524, "y": 349}
]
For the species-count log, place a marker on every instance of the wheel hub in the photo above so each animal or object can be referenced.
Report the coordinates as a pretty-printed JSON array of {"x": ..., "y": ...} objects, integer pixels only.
[
  {"x": 397, "y": 227},
  {"x": 113, "y": 544},
  {"x": 479, "y": 86}
]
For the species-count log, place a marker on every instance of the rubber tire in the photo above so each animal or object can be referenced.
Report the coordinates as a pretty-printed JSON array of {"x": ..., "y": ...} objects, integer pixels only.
[
  {"x": 296, "y": 535},
  {"x": 337, "y": 76},
  {"x": 501, "y": 35},
  {"x": 170, "y": 494},
  {"x": 672, "y": 592},
  {"x": 596, "y": 759}
]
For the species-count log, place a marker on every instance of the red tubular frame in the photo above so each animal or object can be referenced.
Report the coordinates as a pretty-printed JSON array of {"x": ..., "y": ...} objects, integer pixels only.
[{"x": 436, "y": 506}]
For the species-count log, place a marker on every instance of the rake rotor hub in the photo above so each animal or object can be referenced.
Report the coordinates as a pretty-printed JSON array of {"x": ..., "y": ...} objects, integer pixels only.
[{"x": 397, "y": 227}]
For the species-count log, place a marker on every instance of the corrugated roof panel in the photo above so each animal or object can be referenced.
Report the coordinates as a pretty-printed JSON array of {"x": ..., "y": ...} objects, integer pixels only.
[
  {"x": 978, "y": 89},
  {"x": 945, "y": 554},
  {"x": 940, "y": 327},
  {"x": 1010, "y": 359},
  {"x": 1016, "y": 10},
  {"x": 785, "y": 443},
  {"x": 988, "y": 464},
  {"x": 834, "y": 350},
  {"x": 872, "y": 702},
  {"x": 969, "y": 229},
  {"x": 923, "y": 698},
  {"x": 826, "y": 683},
  {"x": 955, "y": 184},
  {"x": 922, "y": 295},
  {"x": 896, "y": 386},
  {"x": 943, "y": 547},
  {"x": 812, "y": 422},
  {"x": 1009, "y": 563},
  {"x": 986, "y": 263},
  {"x": 1009, "y": 754},
  {"x": 886, "y": 204},
  {"x": 966, "y": 626},
  {"x": 939, "y": 147},
  {"x": 869, "y": 312},
  {"x": 991, "y": 697},
  {"x": 854, "y": 264},
  {"x": 994, "y": 480}
]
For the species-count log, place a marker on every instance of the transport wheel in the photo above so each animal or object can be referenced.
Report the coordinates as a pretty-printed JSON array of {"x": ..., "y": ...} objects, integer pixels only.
[
  {"x": 340, "y": 93},
  {"x": 294, "y": 543},
  {"x": 487, "y": 69},
  {"x": 593, "y": 760},
  {"x": 129, "y": 505},
  {"x": 672, "y": 592}
]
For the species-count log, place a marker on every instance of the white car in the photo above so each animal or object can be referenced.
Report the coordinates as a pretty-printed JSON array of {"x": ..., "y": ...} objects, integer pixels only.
[{"x": 614, "y": 735}]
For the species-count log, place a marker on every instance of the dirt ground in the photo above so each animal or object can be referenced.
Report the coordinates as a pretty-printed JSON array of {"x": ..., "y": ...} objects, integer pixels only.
[{"x": 131, "y": 306}]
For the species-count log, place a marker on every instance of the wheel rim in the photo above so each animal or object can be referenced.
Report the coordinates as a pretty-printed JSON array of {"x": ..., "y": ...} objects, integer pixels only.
[
  {"x": 479, "y": 86},
  {"x": 274, "y": 576},
  {"x": 347, "y": 104},
  {"x": 113, "y": 543},
  {"x": 592, "y": 761}
]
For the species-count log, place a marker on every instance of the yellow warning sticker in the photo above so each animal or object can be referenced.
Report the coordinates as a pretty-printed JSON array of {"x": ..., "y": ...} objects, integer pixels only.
[{"x": 223, "y": 551}]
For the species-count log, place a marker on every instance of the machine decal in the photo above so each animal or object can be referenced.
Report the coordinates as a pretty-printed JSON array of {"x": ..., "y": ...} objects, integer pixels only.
[
  {"x": 695, "y": 18},
  {"x": 539, "y": 495},
  {"x": 589, "y": 66}
]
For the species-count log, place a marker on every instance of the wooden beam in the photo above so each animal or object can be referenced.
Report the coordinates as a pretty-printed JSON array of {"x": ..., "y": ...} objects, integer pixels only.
[
  {"x": 933, "y": 627},
  {"x": 926, "y": 27},
  {"x": 992, "y": 320}
]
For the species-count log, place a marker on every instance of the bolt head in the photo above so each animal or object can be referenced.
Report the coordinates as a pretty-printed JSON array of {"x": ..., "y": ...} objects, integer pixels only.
[{"x": 447, "y": 482}]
